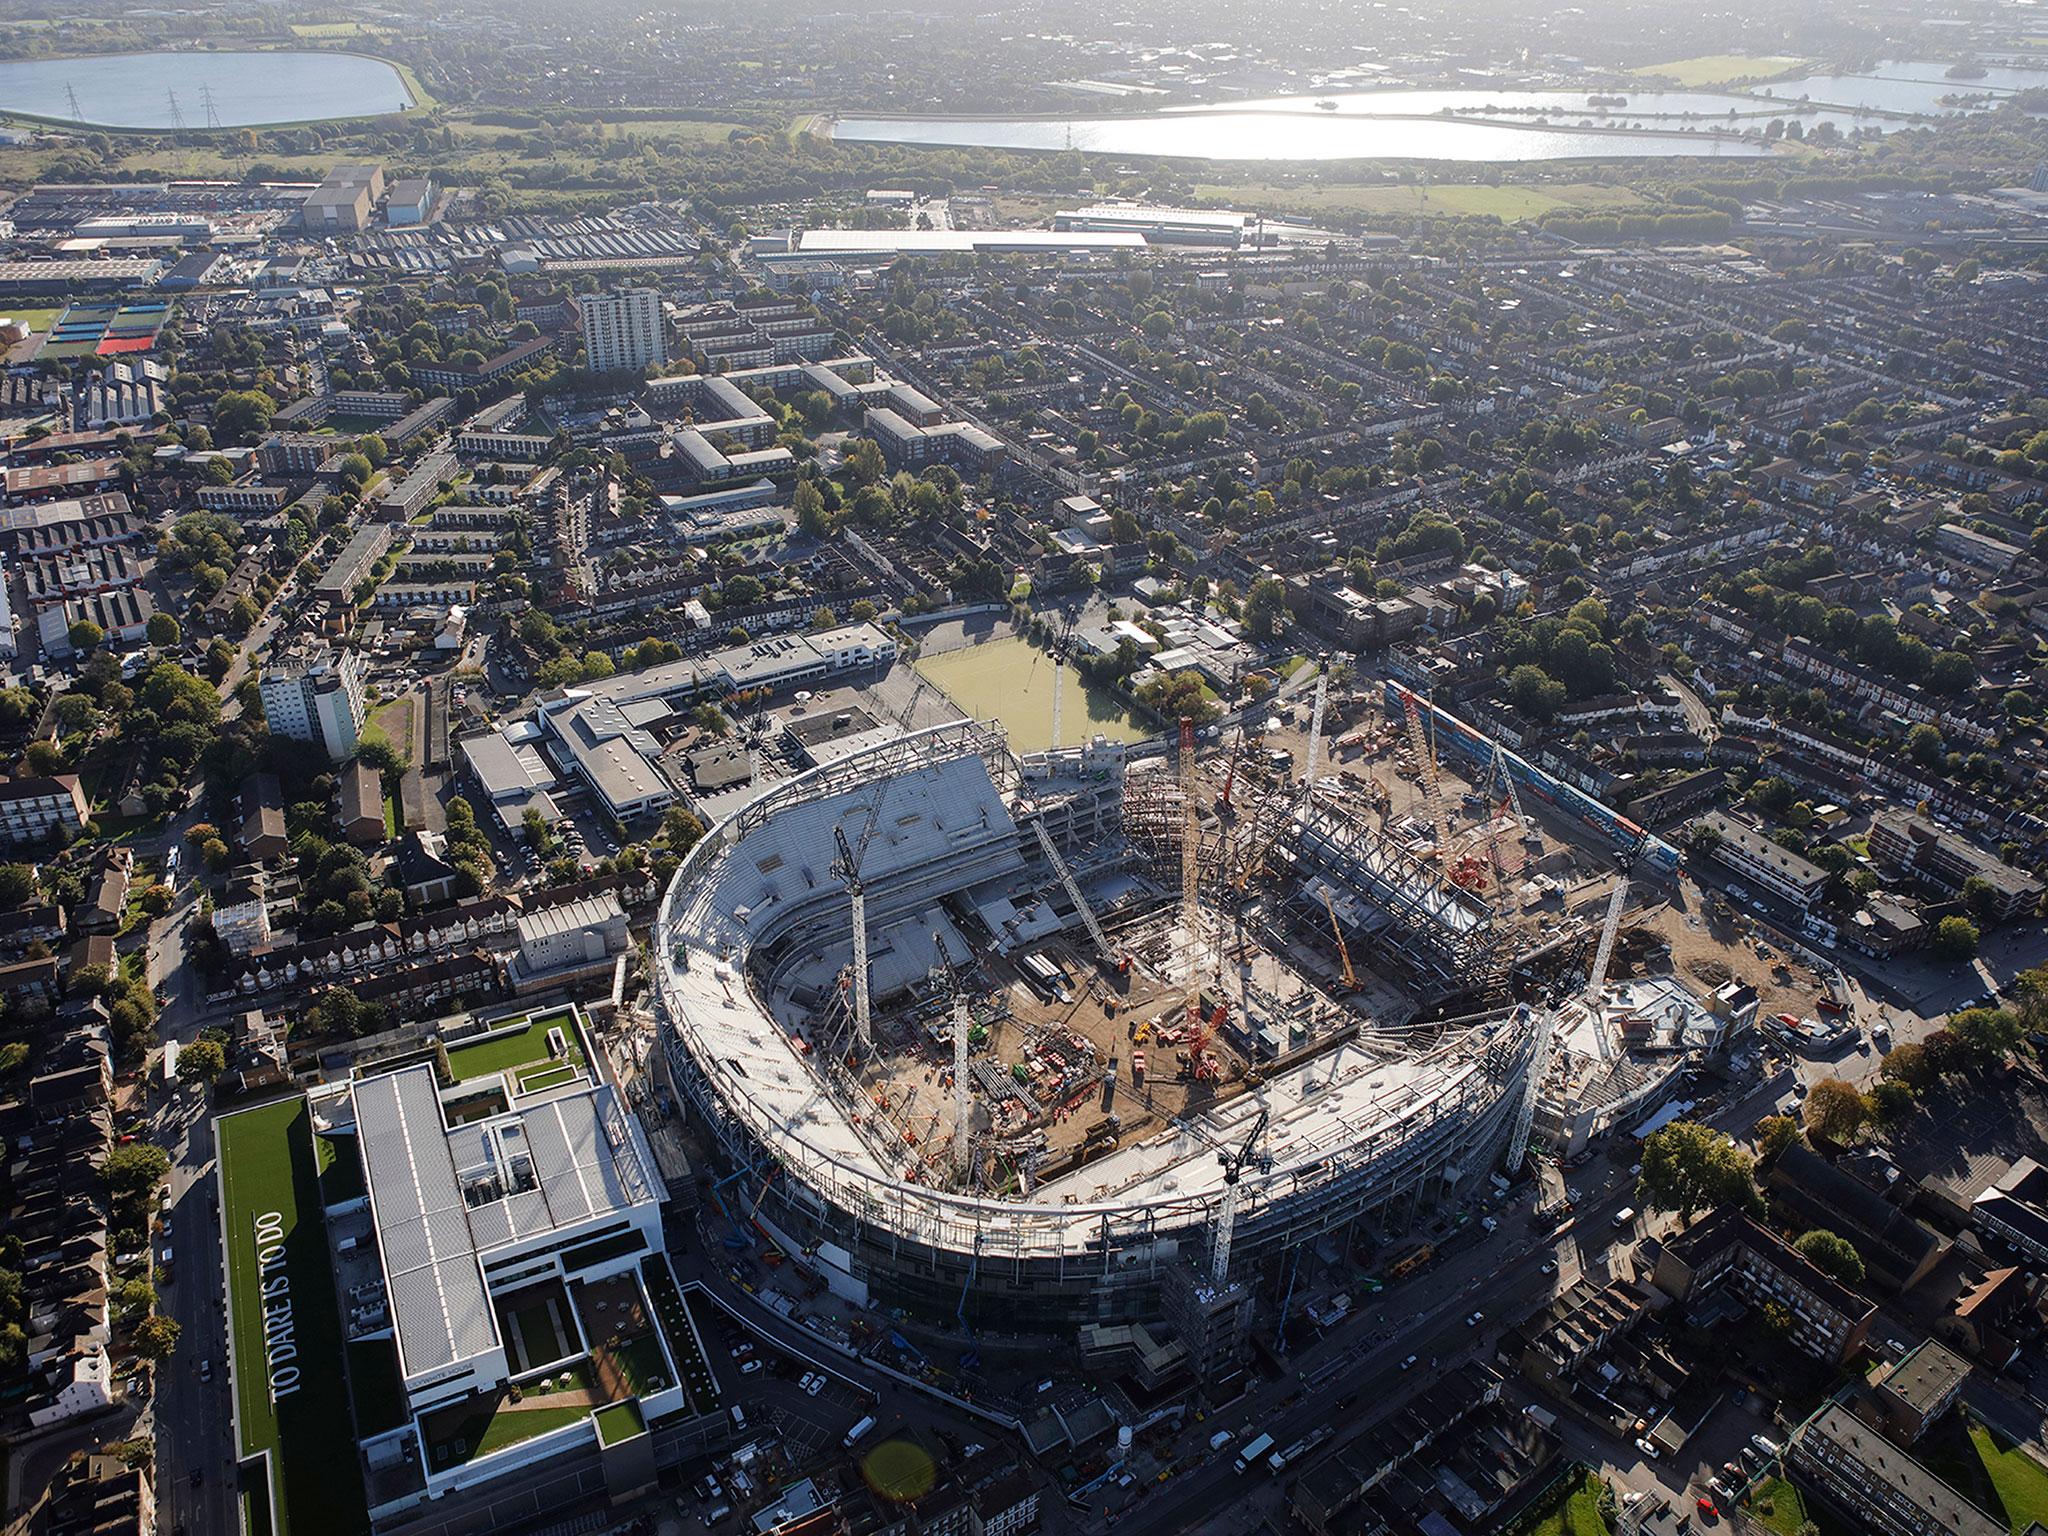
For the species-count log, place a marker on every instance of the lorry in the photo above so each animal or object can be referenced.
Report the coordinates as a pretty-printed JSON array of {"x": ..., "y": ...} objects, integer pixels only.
[{"x": 1253, "y": 1452}]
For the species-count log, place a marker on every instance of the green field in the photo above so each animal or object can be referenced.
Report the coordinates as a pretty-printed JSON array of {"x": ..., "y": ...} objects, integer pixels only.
[
  {"x": 1579, "y": 1515},
  {"x": 1011, "y": 681},
  {"x": 34, "y": 319},
  {"x": 268, "y": 1165},
  {"x": 517, "y": 1047},
  {"x": 1506, "y": 203},
  {"x": 2019, "y": 1482},
  {"x": 1722, "y": 68}
]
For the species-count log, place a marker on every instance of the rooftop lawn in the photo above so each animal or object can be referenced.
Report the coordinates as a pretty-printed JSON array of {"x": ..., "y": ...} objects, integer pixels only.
[
  {"x": 516, "y": 1047},
  {"x": 268, "y": 1165},
  {"x": 482, "y": 1426},
  {"x": 619, "y": 1421}
]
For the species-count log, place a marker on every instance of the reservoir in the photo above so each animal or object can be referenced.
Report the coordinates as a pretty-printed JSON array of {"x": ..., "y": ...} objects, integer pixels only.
[
  {"x": 227, "y": 90},
  {"x": 1501, "y": 125},
  {"x": 1298, "y": 135}
]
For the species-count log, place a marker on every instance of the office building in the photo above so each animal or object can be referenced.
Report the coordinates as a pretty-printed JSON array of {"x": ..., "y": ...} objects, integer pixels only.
[{"x": 623, "y": 331}]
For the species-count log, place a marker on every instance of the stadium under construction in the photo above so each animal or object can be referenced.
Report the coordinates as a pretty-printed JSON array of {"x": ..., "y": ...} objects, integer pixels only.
[{"x": 1078, "y": 1038}]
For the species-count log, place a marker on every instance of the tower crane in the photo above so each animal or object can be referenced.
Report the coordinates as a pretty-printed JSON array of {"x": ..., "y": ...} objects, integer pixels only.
[
  {"x": 1313, "y": 761},
  {"x": 1603, "y": 956},
  {"x": 1062, "y": 643},
  {"x": 962, "y": 1104},
  {"x": 1226, "y": 1212},
  {"x": 1343, "y": 949},
  {"x": 1424, "y": 750},
  {"x": 847, "y": 867}
]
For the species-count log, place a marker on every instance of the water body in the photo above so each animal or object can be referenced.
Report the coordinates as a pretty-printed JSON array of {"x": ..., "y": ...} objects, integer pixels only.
[
  {"x": 1912, "y": 85},
  {"x": 1213, "y": 134},
  {"x": 1474, "y": 125},
  {"x": 247, "y": 90}
]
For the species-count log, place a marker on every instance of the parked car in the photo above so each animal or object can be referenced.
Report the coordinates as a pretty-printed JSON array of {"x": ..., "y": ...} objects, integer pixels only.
[
  {"x": 750, "y": 1367},
  {"x": 1648, "y": 1447}
]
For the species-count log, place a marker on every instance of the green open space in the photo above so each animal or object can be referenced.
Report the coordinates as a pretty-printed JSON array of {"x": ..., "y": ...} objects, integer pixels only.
[
  {"x": 1995, "y": 1475},
  {"x": 619, "y": 1421},
  {"x": 1777, "y": 1504},
  {"x": 1578, "y": 1515},
  {"x": 1011, "y": 680},
  {"x": 268, "y": 1166},
  {"x": 483, "y": 1425},
  {"x": 1722, "y": 68},
  {"x": 517, "y": 1046},
  {"x": 36, "y": 319},
  {"x": 1509, "y": 203}
]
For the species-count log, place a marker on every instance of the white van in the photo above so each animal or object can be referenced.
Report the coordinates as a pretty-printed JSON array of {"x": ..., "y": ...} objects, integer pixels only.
[{"x": 853, "y": 1435}]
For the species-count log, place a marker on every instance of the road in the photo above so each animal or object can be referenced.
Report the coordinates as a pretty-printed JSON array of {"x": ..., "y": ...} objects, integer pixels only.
[{"x": 195, "y": 1427}]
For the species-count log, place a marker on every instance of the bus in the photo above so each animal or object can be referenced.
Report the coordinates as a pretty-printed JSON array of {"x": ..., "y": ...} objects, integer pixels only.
[{"x": 1253, "y": 1451}]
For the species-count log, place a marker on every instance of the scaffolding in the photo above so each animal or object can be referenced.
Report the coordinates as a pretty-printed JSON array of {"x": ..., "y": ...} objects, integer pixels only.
[{"x": 1443, "y": 933}]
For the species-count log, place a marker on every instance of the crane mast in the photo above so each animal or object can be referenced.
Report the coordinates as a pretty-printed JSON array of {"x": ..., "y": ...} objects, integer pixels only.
[
  {"x": 848, "y": 867},
  {"x": 1190, "y": 858},
  {"x": 1314, "y": 760},
  {"x": 1603, "y": 955},
  {"x": 1226, "y": 1209},
  {"x": 1539, "y": 1069},
  {"x": 1343, "y": 949},
  {"x": 1073, "y": 889},
  {"x": 1424, "y": 751}
]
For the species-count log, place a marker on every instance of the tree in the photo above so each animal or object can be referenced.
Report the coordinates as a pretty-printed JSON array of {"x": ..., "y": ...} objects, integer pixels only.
[
  {"x": 163, "y": 631},
  {"x": 1265, "y": 608},
  {"x": 1891, "y": 1102},
  {"x": 1688, "y": 1167},
  {"x": 136, "y": 1169},
  {"x": 241, "y": 414},
  {"x": 84, "y": 634},
  {"x": 1832, "y": 1254},
  {"x": 17, "y": 886},
  {"x": 809, "y": 503},
  {"x": 1774, "y": 1133},
  {"x": 1909, "y": 1065},
  {"x": 1535, "y": 692},
  {"x": 1987, "y": 1035},
  {"x": 1835, "y": 1110},
  {"x": 680, "y": 829},
  {"x": 201, "y": 1062},
  {"x": 156, "y": 1337},
  {"x": 1955, "y": 940}
]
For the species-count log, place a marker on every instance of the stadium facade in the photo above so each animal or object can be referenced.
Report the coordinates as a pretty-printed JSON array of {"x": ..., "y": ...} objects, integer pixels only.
[{"x": 1363, "y": 1125}]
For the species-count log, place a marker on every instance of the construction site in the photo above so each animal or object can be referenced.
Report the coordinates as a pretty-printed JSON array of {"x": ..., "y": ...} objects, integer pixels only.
[{"x": 1080, "y": 1035}]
